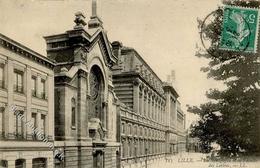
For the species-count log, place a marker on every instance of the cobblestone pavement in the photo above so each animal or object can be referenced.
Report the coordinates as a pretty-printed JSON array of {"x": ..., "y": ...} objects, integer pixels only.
[{"x": 197, "y": 160}]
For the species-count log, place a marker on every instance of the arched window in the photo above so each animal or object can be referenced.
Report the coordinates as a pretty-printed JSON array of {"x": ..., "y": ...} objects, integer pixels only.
[
  {"x": 96, "y": 86},
  {"x": 3, "y": 163},
  {"x": 39, "y": 163},
  {"x": 73, "y": 113},
  {"x": 20, "y": 163}
]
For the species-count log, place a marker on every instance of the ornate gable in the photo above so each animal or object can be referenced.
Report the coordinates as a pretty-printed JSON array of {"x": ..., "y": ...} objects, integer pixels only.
[{"x": 100, "y": 42}]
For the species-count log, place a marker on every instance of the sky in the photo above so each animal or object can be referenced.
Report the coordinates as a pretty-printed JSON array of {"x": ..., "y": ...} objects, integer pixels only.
[{"x": 164, "y": 33}]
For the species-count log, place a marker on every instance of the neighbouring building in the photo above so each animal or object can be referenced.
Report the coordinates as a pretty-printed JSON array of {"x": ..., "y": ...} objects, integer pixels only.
[
  {"x": 26, "y": 88},
  {"x": 152, "y": 122}
]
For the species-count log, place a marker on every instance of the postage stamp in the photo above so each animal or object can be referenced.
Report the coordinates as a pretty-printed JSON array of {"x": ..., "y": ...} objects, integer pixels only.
[{"x": 240, "y": 29}]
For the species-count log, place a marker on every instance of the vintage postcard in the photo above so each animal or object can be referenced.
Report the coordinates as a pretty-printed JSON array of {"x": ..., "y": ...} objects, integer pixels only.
[{"x": 129, "y": 84}]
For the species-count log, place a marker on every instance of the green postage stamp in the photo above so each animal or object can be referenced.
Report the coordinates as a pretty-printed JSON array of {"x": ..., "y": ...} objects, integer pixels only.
[{"x": 240, "y": 29}]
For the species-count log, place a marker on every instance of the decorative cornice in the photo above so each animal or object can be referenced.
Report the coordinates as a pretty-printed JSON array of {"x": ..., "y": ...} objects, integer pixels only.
[
  {"x": 25, "y": 52},
  {"x": 171, "y": 89},
  {"x": 84, "y": 39}
]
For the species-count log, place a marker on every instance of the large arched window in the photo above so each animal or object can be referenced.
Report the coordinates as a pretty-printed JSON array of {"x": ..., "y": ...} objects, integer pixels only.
[
  {"x": 20, "y": 163},
  {"x": 39, "y": 163},
  {"x": 96, "y": 86}
]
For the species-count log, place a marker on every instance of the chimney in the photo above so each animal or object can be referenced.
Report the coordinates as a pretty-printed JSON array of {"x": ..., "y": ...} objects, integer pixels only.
[{"x": 171, "y": 79}]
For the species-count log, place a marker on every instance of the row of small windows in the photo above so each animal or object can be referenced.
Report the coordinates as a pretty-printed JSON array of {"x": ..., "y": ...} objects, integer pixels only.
[
  {"x": 132, "y": 148},
  {"x": 38, "y": 124},
  {"x": 19, "y": 126},
  {"x": 129, "y": 129},
  {"x": 21, "y": 163},
  {"x": 19, "y": 81}
]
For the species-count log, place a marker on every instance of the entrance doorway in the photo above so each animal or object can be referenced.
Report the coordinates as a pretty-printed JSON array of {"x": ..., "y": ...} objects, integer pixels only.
[{"x": 98, "y": 159}]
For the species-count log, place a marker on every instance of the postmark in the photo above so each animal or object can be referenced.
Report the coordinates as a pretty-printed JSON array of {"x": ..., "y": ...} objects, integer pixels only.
[{"x": 239, "y": 29}]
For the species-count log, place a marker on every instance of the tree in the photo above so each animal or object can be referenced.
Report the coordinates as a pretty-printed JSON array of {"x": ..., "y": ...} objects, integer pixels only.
[{"x": 231, "y": 117}]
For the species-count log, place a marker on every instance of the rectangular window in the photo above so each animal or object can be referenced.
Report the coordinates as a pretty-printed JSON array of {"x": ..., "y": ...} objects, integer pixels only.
[
  {"x": 1, "y": 120},
  {"x": 18, "y": 81},
  {"x": 1, "y": 76},
  {"x": 123, "y": 128},
  {"x": 73, "y": 116},
  {"x": 73, "y": 113},
  {"x": 42, "y": 89},
  {"x": 42, "y": 124},
  {"x": 33, "y": 125},
  {"x": 130, "y": 129},
  {"x": 18, "y": 124},
  {"x": 34, "y": 81}
]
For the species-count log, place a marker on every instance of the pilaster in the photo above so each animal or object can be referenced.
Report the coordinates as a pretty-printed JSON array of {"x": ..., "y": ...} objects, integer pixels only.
[
  {"x": 9, "y": 111},
  {"x": 82, "y": 106},
  {"x": 11, "y": 163},
  {"x": 145, "y": 105},
  {"x": 140, "y": 101},
  {"x": 28, "y": 102},
  {"x": 136, "y": 96},
  {"x": 149, "y": 105},
  {"x": 50, "y": 91}
]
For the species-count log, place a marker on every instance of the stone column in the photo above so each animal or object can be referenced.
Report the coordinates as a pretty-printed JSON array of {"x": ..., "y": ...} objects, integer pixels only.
[
  {"x": 167, "y": 110},
  {"x": 149, "y": 106},
  {"x": 11, "y": 163},
  {"x": 175, "y": 114},
  {"x": 156, "y": 110},
  {"x": 136, "y": 96},
  {"x": 161, "y": 112},
  {"x": 28, "y": 163},
  {"x": 5, "y": 73},
  {"x": 140, "y": 101},
  {"x": 9, "y": 111},
  {"x": 152, "y": 107},
  {"x": 105, "y": 119},
  {"x": 50, "y": 94},
  {"x": 28, "y": 90},
  {"x": 164, "y": 113},
  {"x": 38, "y": 120},
  {"x": 145, "y": 100},
  {"x": 82, "y": 111},
  {"x": 122, "y": 148}
]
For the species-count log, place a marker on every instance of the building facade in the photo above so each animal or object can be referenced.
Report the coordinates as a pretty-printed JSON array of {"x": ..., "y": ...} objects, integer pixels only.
[
  {"x": 152, "y": 122},
  {"x": 26, "y": 103},
  {"x": 85, "y": 103}
]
